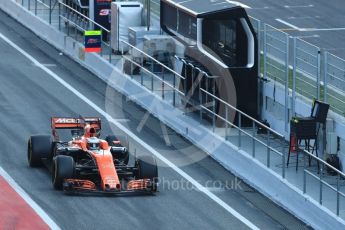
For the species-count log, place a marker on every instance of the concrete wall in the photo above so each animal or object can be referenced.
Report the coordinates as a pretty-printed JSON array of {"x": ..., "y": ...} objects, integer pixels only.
[{"x": 235, "y": 160}]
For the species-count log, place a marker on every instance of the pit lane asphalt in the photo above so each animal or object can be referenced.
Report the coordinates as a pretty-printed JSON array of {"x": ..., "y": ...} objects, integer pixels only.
[{"x": 29, "y": 97}]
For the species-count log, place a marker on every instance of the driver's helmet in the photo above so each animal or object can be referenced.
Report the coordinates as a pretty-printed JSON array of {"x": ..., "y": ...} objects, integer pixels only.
[
  {"x": 93, "y": 143},
  {"x": 90, "y": 131}
]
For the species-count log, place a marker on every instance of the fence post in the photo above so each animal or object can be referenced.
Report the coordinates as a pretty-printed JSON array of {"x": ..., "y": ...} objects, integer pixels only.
[
  {"x": 320, "y": 178},
  {"x": 265, "y": 52},
  {"x": 268, "y": 149},
  {"x": 304, "y": 175},
  {"x": 258, "y": 48},
  {"x": 163, "y": 83},
  {"x": 200, "y": 101},
  {"x": 36, "y": 7},
  {"x": 338, "y": 195},
  {"x": 226, "y": 123},
  {"x": 214, "y": 104},
  {"x": 287, "y": 84},
  {"x": 318, "y": 73},
  {"x": 325, "y": 76},
  {"x": 174, "y": 90},
  {"x": 283, "y": 163},
  {"x": 239, "y": 130},
  {"x": 253, "y": 147},
  {"x": 294, "y": 76},
  {"x": 29, "y": 3},
  {"x": 50, "y": 11},
  {"x": 59, "y": 15}
]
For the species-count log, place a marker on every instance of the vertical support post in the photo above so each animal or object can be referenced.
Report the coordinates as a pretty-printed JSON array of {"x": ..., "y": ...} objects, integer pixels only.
[
  {"x": 325, "y": 76},
  {"x": 214, "y": 104},
  {"x": 338, "y": 195},
  {"x": 152, "y": 69},
  {"x": 174, "y": 90},
  {"x": 258, "y": 48},
  {"x": 253, "y": 139},
  {"x": 265, "y": 51},
  {"x": 287, "y": 83},
  {"x": 29, "y": 3},
  {"x": 304, "y": 174},
  {"x": 36, "y": 7},
  {"x": 50, "y": 11},
  {"x": 163, "y": 83},
  {"x": 268, "y": 149},
  {"x": 227, "y": 122},
  {"x": 239, "y": 130},
  {"x": 123, "y": 60},
  {"x": 200, "y": 102},
  {"x": 294, "y": 76},
  {"x": 59, "y": 14},
  {"x": 320, "y": 178},
  {"x": 110, "y": 48},
  {"x": 318, "y": 74},
  {"x": 283, "y": 163},
  {"x": 148, "y": 14}
]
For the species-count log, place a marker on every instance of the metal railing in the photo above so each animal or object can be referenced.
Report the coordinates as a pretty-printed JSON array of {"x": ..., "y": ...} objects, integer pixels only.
[
  {"x": 334, "y": 82},
  {"x": 81, "y": 23},
  {"x": 320, "y": 176},
  {"x": 168, "y": 81},
  {"x": 138, "y": 61}
]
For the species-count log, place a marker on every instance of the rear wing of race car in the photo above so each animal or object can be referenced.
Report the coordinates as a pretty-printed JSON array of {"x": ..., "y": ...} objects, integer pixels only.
[{"x": 74, "y": 123}]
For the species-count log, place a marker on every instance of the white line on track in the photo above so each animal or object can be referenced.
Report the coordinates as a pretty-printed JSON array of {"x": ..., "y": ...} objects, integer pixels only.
[
  {"x": 300, "y": 6},
  {"x": 288, "y": 24},
  {"x": 133, "y": 136},
  {"x": 45, "y": 217}
]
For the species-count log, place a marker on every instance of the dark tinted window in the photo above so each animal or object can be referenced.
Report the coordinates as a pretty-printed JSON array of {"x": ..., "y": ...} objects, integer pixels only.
[
  {"x": 169, "y": 16},
  {"x": 227, "y": 40}
]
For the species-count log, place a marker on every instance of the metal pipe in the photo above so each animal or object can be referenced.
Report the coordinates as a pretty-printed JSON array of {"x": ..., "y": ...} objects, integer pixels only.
[
  {"x": 268, "y": 149},
  {"x": 239, "y": 130},
  {"x": 148, "y": 14},
  {"x": 294, "y": 76},
  {"x": 253, "y": 139}
]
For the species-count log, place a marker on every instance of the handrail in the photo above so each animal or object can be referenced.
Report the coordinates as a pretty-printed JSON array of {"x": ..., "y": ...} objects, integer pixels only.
[
  {"x": 243, "y": 131},
  {"x": 325, "y": 183},
  {"x": 242, "y": 113},
  {"x": 152, "y": 58},
  {"x": 89, "y": 19},
  {"x": 324, "y": 162},
  {"x": 154, "y": 75}
]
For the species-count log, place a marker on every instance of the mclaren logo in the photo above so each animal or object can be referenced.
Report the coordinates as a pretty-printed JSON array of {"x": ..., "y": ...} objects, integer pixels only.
[{"x": 66, "y": 120}]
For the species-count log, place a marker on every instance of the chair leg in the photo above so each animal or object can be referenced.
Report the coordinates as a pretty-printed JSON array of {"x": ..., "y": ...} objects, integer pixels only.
[
  {"x": 297, "y": 153},
  {"x": 288, "y": 160}
]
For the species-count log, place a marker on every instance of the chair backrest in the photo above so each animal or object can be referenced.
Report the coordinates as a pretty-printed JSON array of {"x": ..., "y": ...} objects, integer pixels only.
[{"x": 319, "y": 111}]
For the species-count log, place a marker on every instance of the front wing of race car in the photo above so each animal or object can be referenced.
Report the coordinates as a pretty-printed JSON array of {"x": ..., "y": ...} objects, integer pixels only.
[{"x": 76, "y": 186}]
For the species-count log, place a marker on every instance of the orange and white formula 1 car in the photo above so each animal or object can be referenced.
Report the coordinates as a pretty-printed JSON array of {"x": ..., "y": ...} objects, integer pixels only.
[{"x": 89, "y": 164}]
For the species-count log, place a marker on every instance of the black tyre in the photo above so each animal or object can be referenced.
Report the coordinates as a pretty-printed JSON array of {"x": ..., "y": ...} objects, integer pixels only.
[
  {"x": 123, "y": 143},
  {"x": 39, "y": 147},
  {"x": 63, "y": 168},
  {"x": 147, "y": 169}
]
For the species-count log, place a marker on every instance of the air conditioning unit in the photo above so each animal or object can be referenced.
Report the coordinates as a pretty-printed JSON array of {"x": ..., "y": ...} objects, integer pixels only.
[
  {"x": 136, "y": 37},
  {"x": 123, "y": 16},
  {"x": 154, "y": 43}
]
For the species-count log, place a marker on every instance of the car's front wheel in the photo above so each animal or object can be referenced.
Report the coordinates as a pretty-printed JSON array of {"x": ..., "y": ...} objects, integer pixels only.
[{"x": 63, "y": 168}]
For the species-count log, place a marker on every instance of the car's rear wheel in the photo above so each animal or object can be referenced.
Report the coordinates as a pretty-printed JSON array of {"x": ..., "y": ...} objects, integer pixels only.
[
  {"x": 39, "y": 147},
  {"x": 123, "y": 143},
  {"x": 63, "y": 168},
  {"x": 147, "y": 169}
]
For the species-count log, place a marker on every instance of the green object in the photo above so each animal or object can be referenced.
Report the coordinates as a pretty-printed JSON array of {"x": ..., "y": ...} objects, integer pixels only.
[{"x": 92, "y": 32}]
